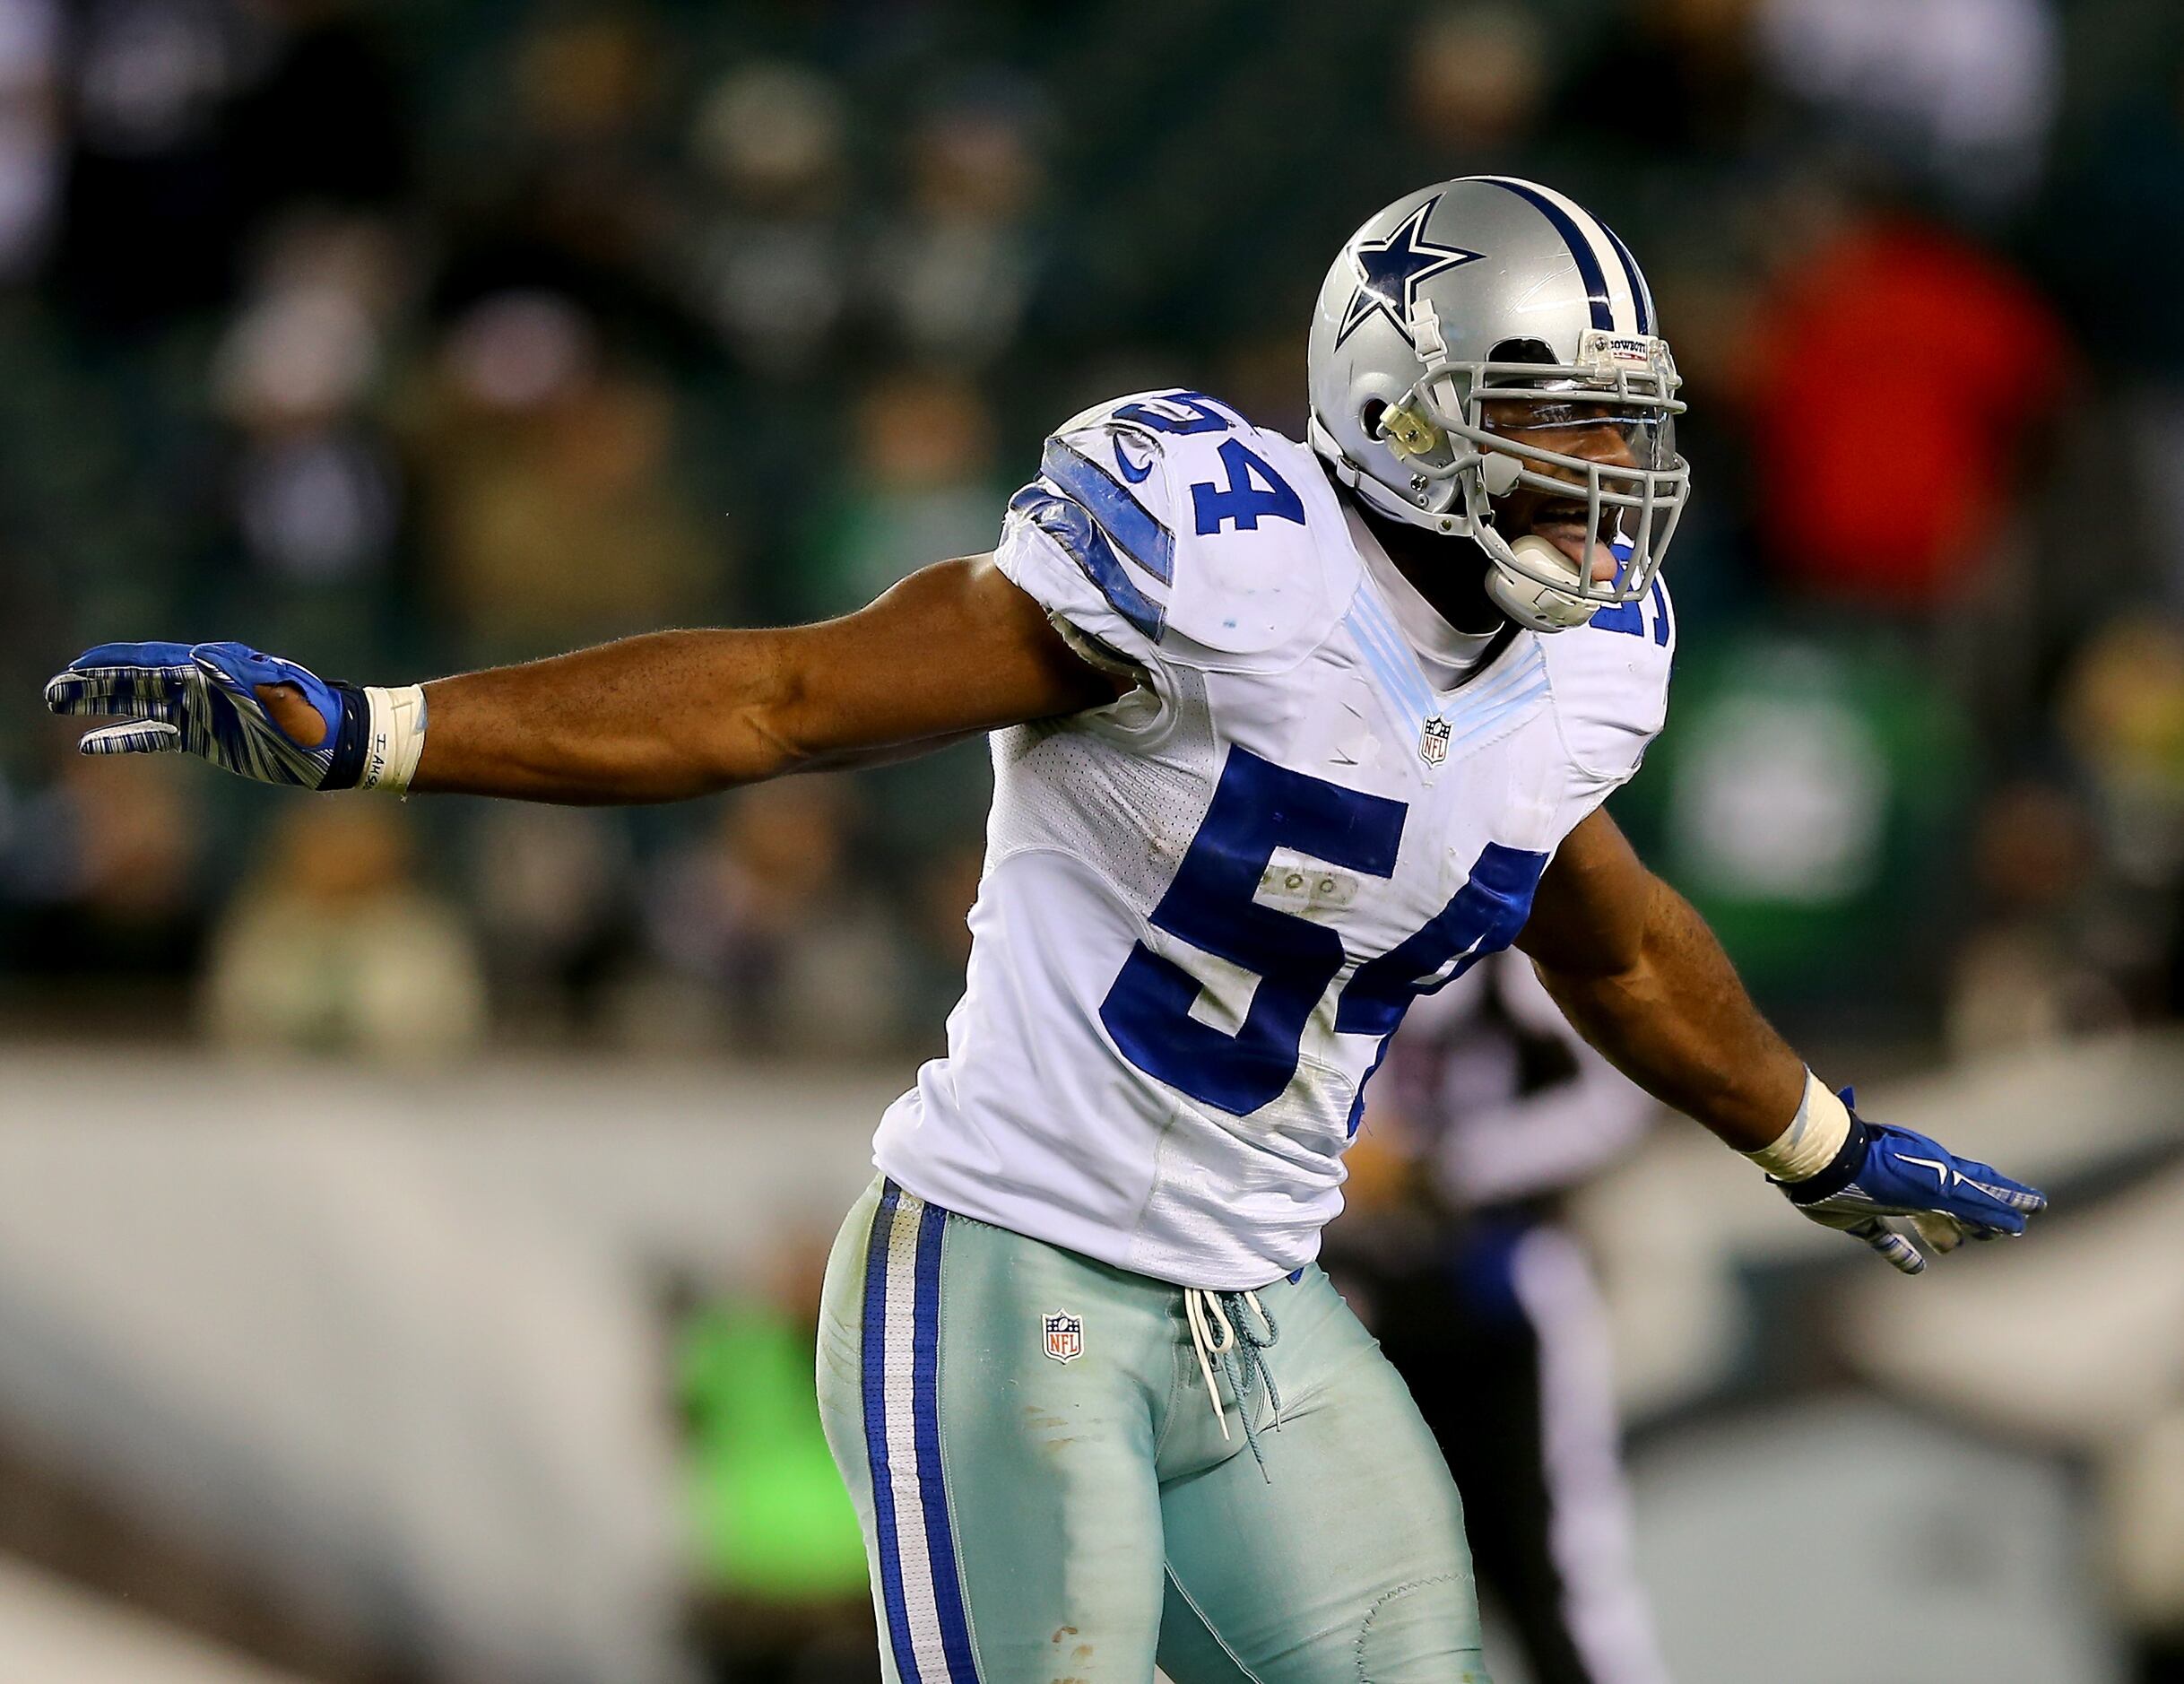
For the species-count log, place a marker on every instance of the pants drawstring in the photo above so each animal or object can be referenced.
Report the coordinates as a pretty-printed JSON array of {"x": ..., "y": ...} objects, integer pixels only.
[{"x": 1220, "y": 1330}]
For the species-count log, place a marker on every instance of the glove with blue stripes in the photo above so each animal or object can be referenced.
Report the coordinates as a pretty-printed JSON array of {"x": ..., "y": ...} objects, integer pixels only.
[
  {"x": 1883, "y": 1180},
  {"x": 203, "y": 700}
]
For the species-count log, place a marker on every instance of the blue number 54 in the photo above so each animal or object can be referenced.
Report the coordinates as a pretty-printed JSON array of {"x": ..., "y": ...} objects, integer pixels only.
[{"x": 1212, "y": 905}]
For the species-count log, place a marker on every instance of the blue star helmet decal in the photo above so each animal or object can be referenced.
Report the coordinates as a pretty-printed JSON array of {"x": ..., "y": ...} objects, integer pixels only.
[{"x": 1388, "y": 271}]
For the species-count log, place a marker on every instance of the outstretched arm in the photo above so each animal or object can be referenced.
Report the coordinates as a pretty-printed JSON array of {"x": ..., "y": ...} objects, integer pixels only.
[
  {"x": 1639, "y": 974},
  {"x": 952, "y": 650}
]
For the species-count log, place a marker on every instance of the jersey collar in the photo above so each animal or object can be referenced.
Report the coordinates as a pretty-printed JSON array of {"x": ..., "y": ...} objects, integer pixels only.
[{"x": 1446, "y": 658}]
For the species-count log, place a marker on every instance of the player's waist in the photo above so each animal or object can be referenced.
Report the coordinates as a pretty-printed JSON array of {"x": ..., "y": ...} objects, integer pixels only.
[{"x": 1127, "y": 1197}]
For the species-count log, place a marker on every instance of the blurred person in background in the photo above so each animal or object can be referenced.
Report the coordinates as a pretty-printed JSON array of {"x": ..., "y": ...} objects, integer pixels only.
[
  {"x": 551, "y": 499},
  {"x": 1892, "y": 491},
  {"x": 316, "y": 494},
  {"x": 770, "y": 940},
  {"x": 105, "y": 879},
  {"x": 559, "y": 183},
  {"x": 327, "y": 122},
  {"x": 1703, "y": 56},
  {"x": 764, "y": 239},
  {"x": 1476, "y": 80},
  {"x": 193, "y": 120},
  {"x": 953, "y": 271},
  {"x": 1457, "y": 1253},
  {"x": 2121, "y": 708},
  {"x": 2046, "y": 959},
  {"x": 333, "y": 947},
  {"x": 940, "y": 949},
  {"x": 150, "y": 86},
  {"x": 31, "y": 137},
  {"x": 551, "y": 890},
  {"x": 1960, "y": 94},
  {"x": 782, "y": 1594},
  {"x": 926, "y": 487},
  {"x": 2107, "y": 231}
]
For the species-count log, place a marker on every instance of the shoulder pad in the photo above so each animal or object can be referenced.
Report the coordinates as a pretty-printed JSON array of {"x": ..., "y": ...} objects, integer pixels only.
[
  {"x": 1610, "y": 679},
  {"x": 1241, "y": 555}
]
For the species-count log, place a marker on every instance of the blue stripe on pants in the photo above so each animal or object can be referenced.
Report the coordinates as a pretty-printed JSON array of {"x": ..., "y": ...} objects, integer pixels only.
[
  {"x": 932, "y": 1484},
  {"x": 876, "y": 1432}
]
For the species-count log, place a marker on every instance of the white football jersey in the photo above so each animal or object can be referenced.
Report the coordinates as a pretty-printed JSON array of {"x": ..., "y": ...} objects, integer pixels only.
[{"x": 1206, "y": 907}]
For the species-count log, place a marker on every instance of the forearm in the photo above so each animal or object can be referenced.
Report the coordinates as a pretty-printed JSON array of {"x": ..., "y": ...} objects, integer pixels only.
[
  {"x": 658, "y": 717},
  {"x": 1675, "y": 1019},
  {"x": 953, "y": 650}
]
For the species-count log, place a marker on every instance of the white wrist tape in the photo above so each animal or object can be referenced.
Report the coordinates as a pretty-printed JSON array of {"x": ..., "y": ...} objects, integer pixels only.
[
  {"x": 1814, "y": 1135},
  {"x": 396, "y": 738}
]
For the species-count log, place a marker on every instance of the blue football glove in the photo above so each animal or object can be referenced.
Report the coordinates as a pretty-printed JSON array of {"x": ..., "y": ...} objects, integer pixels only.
[
  {"x": 1887, "y": 1179},
  {"x": 201, "y": 699}
]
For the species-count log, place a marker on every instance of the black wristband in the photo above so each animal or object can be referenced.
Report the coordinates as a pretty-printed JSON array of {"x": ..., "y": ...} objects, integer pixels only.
[
  {"x": 351, "y": 738},
  {"x": 1841, "y": 1170}
]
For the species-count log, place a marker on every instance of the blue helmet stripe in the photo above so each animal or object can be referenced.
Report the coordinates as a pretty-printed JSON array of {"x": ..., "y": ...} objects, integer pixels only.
[
  {"x": 1640, "y": 295},
  {"x": 1588, "y": 268}
]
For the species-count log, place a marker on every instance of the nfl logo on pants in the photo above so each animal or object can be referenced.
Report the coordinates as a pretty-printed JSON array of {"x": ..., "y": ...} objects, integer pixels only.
[{"x": 1065, "y": 1336}]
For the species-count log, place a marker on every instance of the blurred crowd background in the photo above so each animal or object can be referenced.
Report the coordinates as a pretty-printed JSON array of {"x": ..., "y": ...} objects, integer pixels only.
[{"x": 406, "y": 337}]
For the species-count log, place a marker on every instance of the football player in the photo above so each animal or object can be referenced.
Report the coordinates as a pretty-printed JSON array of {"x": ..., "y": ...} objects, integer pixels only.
[{"x": 1284, "y": 735}]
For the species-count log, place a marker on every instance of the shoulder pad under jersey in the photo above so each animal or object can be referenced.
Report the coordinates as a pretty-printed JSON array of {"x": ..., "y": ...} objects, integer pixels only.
[
  {"x": 1221, "y": 543},
  {"x": 1610, "y": 682}
]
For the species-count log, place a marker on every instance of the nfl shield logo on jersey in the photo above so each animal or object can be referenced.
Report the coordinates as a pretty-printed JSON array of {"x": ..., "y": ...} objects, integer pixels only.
[
  {"x": 1434, "y": 740},
  {"x": 1065, "y": 1336}
]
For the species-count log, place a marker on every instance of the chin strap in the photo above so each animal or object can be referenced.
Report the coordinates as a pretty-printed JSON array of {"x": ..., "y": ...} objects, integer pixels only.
[{"x": 1528, "y": 601}]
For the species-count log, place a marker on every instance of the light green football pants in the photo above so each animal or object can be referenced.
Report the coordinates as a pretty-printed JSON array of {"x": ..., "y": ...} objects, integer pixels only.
[{"x": 1047, "y": 1497}]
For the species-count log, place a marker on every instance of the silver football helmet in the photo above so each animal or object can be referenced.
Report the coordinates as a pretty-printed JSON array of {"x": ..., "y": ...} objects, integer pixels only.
[{"x": 1464, "y": 334}]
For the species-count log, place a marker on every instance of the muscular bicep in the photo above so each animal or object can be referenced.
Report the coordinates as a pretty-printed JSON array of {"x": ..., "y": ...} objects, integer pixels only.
[
  {"x": 1590, "y": 913},
  {"x": 953, "y": 650}
]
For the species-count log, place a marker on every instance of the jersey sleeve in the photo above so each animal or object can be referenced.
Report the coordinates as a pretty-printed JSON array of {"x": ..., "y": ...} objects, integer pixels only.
[
  {"x": 1137, "y": 542},
  {"x": 1610, "y": 683},
  {"x": 1099, "y": 560}
]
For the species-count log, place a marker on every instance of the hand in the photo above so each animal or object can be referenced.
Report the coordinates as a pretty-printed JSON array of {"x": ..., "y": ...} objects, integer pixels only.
[
  {"x": 1886, "y": 1180},
  {"x": 254, "y": 715}
]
